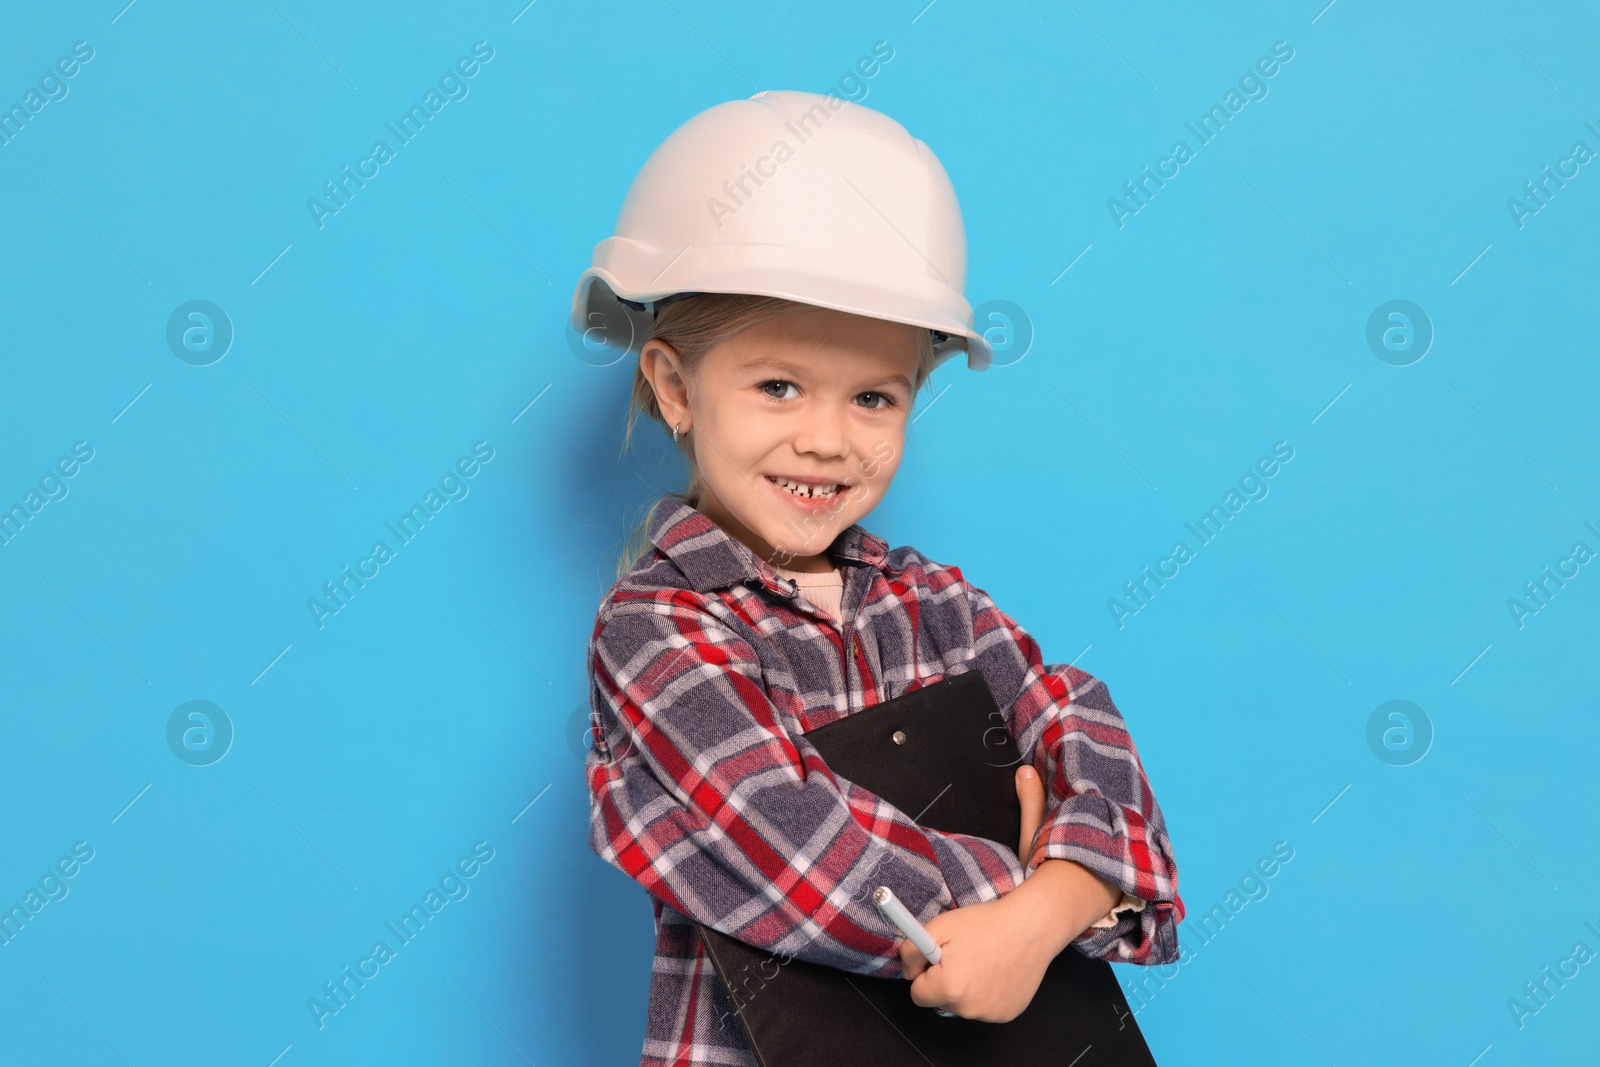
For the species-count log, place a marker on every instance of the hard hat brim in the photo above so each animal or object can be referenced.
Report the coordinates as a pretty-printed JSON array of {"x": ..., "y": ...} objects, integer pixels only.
[{"x": 598, "y": 306}]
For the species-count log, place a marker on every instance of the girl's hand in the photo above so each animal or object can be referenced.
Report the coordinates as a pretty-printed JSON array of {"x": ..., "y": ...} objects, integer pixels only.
[
  {"x": 1030, "y": 791},
  {"x": 992, "y": 961},
  {"x": 993, "y": 957},
  {"x": 994, "y": 954}
]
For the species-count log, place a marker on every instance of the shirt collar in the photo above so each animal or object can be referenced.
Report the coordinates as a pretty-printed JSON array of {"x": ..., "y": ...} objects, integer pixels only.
[{"x": 711, "y": 559}]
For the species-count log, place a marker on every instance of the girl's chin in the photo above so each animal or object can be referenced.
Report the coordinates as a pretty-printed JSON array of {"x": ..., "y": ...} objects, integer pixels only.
[{"x": 818, "y": 536}]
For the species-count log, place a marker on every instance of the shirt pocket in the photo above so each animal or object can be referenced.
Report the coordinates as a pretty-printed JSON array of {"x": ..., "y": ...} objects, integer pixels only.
[{"x": 895, "y": 687}]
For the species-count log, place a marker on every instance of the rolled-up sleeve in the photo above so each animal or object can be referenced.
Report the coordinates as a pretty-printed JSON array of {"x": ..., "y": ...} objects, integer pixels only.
[
  {"x": 1100, "y": 812},
  {"x": 700, "y": 793}
]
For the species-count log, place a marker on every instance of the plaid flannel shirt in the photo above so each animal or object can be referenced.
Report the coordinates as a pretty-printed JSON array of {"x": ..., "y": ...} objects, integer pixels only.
[{"x": 706, "y": 668}]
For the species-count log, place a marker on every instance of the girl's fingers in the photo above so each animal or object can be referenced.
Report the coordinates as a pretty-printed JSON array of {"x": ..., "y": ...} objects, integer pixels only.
[
  {"x": 912, "y": 961},
  {"x": 1030, "y": 791}
]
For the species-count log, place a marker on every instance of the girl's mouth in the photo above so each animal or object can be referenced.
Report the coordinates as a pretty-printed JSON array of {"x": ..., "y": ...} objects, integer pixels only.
[{"x": 808, "y": 497}]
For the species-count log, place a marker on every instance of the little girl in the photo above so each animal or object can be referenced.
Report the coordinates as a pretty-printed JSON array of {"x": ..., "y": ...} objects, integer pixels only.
[{"x": 790, "y": 270}]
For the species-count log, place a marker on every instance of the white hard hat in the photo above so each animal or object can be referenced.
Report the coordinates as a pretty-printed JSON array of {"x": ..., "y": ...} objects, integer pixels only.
[{"x": 797, "y": 195}]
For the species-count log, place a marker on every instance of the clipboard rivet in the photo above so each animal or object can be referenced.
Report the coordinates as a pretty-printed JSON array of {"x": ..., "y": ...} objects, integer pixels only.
[{"x": 899, "y": 737}]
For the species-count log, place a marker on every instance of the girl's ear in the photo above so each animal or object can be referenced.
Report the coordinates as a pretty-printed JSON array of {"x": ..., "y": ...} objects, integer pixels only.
[{"x": 660, "y": 364}]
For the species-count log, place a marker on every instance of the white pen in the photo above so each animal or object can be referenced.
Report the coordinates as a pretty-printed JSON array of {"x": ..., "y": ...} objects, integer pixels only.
[{"x": 895, "y": 914}]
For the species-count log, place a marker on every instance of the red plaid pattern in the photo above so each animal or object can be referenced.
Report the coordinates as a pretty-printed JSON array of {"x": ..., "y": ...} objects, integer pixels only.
[{"x": 707, "y": 667}]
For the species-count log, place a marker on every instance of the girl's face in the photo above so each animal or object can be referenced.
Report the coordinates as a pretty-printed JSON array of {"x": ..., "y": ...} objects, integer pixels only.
[{"x": 818, "y": 398}]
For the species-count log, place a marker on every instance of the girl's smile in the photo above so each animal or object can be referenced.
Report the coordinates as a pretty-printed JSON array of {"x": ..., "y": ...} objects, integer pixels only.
[{"x": 807, "y": 493}]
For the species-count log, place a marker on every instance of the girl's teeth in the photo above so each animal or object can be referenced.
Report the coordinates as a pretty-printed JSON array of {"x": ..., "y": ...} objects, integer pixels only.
[{"x": 806, "y": 490}]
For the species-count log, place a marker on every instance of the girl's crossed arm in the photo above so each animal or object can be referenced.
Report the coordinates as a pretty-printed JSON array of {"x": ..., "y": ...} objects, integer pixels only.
[
  {"x": 1100, "y": 810},
  {"x": 700, "y": 794}
]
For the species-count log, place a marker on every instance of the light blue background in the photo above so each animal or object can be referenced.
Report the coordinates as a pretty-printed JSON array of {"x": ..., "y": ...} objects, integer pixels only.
[{"x": 1227, "y": 315}]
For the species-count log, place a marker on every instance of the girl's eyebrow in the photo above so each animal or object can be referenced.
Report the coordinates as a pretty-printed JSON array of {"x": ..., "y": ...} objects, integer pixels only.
[{"x": 775, "y": 364}]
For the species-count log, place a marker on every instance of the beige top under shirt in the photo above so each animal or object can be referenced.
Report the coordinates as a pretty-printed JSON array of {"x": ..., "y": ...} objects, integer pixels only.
[{"x": 826, "y": 590}]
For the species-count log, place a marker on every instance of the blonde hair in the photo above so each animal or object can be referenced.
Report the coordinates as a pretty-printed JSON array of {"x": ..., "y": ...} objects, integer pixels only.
[{"x": 693, "y": 326}]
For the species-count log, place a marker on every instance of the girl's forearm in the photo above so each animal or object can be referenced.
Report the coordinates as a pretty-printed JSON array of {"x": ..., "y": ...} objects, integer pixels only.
[{"x": 1061, "y": 899}]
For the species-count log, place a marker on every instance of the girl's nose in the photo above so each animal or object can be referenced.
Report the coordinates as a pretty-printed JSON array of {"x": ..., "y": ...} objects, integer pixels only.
[{"x": 822, "y": 432}]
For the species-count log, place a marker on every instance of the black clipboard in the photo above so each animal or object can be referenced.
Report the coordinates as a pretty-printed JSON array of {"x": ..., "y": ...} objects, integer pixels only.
[{"x": 942, "y": 750}]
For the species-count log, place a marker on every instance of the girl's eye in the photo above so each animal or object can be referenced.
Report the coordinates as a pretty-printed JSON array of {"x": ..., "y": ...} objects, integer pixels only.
[
  {"x": 765, "y": 386},
  {"x": 888, "y": 401}
]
